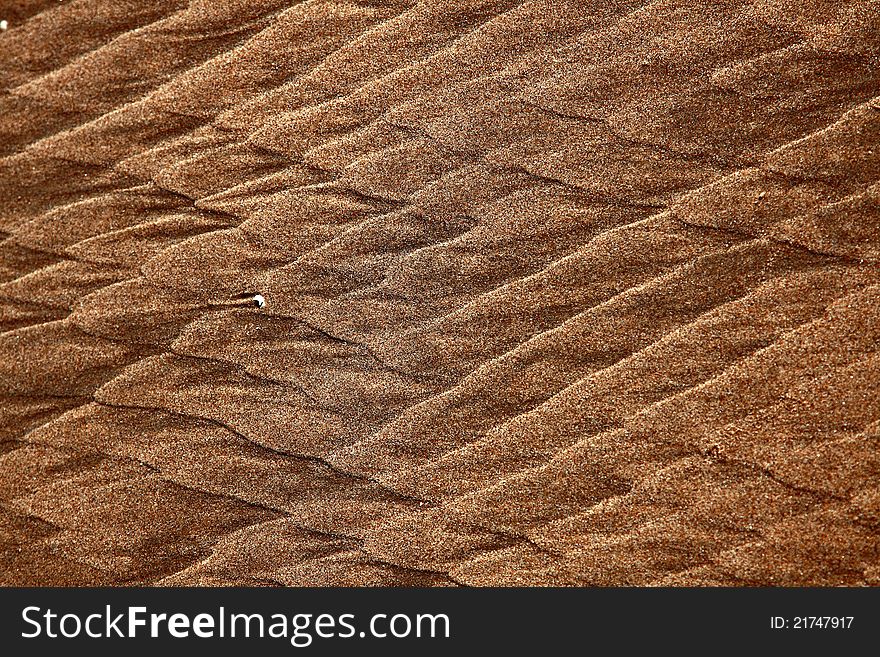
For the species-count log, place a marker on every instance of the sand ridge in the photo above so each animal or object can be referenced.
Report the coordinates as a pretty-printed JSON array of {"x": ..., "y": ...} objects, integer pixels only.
[{"x": 557, "y": 292}]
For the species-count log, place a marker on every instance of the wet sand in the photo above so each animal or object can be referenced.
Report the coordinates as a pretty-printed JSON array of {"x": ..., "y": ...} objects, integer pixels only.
[{"x": 556, "y": 292}]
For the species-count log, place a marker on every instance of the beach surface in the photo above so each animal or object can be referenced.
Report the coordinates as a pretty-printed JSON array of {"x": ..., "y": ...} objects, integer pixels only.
[{"x": 554, "y": 292}]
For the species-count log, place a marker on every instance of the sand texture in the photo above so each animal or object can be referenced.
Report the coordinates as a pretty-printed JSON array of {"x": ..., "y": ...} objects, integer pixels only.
[{"x": 557, "y": 292}]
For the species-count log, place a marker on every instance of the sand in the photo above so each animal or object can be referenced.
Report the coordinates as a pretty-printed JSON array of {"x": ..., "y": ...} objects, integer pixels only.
[{"x": 554, "y": 292}]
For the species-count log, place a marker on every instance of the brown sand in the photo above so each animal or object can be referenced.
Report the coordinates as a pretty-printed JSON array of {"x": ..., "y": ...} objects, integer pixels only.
[{"x": 558, "y": 292}]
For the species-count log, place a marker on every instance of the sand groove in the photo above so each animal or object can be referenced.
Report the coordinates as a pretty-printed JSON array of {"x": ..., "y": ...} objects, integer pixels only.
[{"x": 558, "y": 292}]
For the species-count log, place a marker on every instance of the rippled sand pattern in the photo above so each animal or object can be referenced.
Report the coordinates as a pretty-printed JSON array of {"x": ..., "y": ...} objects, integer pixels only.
[{"x": 557, "y": 292}]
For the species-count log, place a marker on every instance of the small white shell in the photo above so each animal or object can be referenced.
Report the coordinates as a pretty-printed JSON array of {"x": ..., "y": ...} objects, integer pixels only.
[
  {"x": 3, "y": 25},
  {"x": 259, "y": 300}
]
